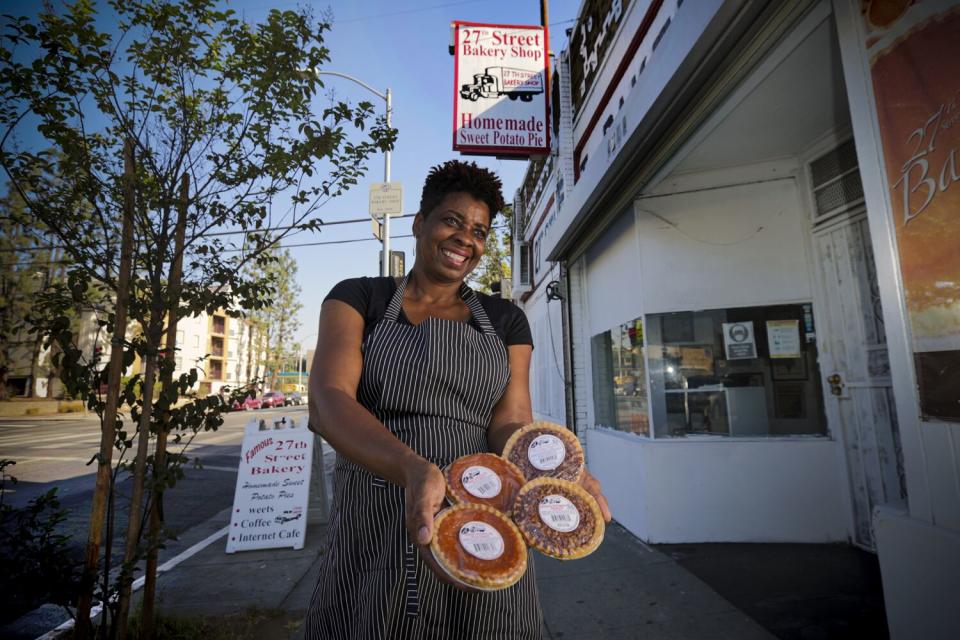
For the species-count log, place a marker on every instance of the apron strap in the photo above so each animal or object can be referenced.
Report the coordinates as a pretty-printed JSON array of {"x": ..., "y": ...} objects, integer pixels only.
[
  {"x": 479, "y": 313},
  {"x": 411, "y": 587},
  {"x": 396, "y": 301}
]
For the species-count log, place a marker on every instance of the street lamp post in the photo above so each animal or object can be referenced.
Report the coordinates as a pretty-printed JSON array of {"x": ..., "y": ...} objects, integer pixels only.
[{"x": 388, "y": 99}]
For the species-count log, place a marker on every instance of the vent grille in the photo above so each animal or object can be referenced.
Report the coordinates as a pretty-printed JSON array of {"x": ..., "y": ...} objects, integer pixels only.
[
  {"x": 835, "y": 178},
  {"x": 525, "y": 275}
]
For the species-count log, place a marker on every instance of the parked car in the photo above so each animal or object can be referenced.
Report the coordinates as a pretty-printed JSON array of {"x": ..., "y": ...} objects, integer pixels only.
[
  {"x": 273, "y": 399},
  {"x": 295, "y": 399},
  {"x": 248, "y": 403}
]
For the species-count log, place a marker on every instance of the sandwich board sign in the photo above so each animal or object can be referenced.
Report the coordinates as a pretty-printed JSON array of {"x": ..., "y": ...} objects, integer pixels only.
[
  {"x": 273, "y": 486},
  {"x": 500, "y": 89}
]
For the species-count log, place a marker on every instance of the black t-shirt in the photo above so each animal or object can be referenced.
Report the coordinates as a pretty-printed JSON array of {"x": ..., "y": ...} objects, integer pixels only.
[{"x": 370, "y": 297}]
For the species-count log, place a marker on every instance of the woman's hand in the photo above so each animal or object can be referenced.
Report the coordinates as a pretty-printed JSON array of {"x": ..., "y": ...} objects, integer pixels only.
[
  {"x": 592, "y": 485},
  {"x": 424, "y": 494},
  {"x": 424, "y": 490}
]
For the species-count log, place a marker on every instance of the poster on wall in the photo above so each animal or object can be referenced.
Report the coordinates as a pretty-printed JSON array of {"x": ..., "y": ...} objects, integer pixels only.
[
  {"x": 783, "y": 338},
  {"x": 273, "y": 486},
  {"x": 739, "y": 341},
  {"x": 500, "y": 89},
  {"x": 914, "y": 51}
]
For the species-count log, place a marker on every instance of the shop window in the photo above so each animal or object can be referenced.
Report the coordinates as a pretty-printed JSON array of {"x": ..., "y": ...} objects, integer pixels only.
[
  {"x": 743, "y": 372},
  {"x": 619, "y": 380}
]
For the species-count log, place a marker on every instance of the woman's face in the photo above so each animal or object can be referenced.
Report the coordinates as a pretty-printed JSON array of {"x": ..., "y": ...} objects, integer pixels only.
[{"x": 452, "y": 237}]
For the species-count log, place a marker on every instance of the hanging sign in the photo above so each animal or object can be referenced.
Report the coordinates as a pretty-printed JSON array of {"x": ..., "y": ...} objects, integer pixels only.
[
  {"x": 738, "y": 340},
  {"x": 783, "y": 338},
  {"x": 273, "y": 486},
  {"x": 500, "y": 96}
]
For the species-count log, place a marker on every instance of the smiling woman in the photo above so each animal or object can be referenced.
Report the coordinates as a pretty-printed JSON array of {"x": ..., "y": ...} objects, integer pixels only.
[{"x": 409, "y": 375}]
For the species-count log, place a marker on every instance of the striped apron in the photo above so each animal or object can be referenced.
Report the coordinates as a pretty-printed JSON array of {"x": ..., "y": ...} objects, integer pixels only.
[{"x": 434, "y": 386}]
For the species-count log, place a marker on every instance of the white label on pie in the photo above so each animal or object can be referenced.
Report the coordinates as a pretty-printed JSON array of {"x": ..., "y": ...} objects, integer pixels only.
[
  {"x": 481, "y": 482},
  {"x": 559, "y": 514},
  {"x": 481, "y": 540},
  {"x": 546, "y": 452}
]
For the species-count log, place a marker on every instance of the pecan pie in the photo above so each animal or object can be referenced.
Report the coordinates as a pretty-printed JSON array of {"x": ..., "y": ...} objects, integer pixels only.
[
  {"x": 545, "y": 449},
  {"x": 478, "y": 546},
  {"x": 483, "y": 478},
  {"x": 559, "y": 518}
]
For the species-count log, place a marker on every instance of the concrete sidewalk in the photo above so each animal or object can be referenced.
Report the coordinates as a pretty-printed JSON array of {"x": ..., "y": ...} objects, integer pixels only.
[{"x": 623, "y": 590}]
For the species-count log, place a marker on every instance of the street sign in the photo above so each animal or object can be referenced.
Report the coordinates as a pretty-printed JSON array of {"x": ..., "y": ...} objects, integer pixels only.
[
  {"x": 377, "y": 229},
  {"x": 386, "y": 198}
]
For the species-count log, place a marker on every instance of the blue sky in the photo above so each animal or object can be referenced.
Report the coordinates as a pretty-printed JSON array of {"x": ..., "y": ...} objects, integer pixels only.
[{"x": 403, "y": 46}]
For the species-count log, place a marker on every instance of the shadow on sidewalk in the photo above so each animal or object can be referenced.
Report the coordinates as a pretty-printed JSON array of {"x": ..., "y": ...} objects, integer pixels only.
[{"x": 796, "y": 591}]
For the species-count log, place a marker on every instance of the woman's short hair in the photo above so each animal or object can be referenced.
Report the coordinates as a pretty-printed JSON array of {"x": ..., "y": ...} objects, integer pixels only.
[{"x": 458, "y": 176}]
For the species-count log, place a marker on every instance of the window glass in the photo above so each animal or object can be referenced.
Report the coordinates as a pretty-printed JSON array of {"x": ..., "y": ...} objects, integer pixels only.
[
  {"x": 742, "y": 372},
  {"x": 619, "y": 380}
]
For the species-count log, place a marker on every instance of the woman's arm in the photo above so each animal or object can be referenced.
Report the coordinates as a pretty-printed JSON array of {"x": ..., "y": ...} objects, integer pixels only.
[
  {"x": 514, "y": 410},
  {"x": 353, "y": 431}
]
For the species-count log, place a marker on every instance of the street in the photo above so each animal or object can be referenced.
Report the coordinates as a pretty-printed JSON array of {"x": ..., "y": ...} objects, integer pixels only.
[{"x": 53, "y": 452}]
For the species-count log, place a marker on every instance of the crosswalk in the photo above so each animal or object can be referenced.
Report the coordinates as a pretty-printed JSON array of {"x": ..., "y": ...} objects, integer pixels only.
[{"x": 47, "y": 450}]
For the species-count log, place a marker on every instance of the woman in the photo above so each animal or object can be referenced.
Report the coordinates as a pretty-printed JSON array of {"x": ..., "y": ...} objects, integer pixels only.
[{"x": 407, "y": 377}]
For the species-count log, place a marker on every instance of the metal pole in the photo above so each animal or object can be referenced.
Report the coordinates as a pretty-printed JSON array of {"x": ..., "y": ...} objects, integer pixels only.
[
  {"x": 385, "y": 267},
  {"x": 300, "y": 370}
]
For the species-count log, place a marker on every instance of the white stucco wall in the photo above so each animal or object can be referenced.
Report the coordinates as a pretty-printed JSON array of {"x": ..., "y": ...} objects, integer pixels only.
[{"x": 672, "y": 491}]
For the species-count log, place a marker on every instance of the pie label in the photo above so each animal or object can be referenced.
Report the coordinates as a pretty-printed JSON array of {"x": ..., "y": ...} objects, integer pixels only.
[
  {"x": 481, "y": 482},
  {"x": 559, "y": 514},
  {"x": 546, "y": 452},
  {"x": 481, "y": 540}
]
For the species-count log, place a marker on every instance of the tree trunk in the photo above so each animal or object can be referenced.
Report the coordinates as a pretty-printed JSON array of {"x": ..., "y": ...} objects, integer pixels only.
[
  {"x": 101, "y": 489},
  {"x": 134, "y": 515},
  {"x": 147, "y": 628}
]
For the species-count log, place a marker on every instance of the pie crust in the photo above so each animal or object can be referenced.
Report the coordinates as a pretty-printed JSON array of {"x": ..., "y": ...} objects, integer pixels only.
[
  {"x": 582, "y": 531},
  {"x": 549, "y": 436},
  {"x": 491, "y": 480},
  {"x": 491, "y": 574}
]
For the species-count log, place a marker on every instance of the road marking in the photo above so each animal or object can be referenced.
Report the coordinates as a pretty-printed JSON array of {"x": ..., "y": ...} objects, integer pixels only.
[
  {"x": 138, "y": 583},
  {"x": 40, "y": 439}
]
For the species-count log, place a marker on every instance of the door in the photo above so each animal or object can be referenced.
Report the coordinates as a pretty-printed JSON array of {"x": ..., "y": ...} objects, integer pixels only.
[{"x": 856, "y": 369}]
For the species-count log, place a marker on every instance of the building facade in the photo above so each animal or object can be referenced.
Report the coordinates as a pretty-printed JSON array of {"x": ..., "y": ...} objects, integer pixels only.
[{"x": 741, "y": 264}]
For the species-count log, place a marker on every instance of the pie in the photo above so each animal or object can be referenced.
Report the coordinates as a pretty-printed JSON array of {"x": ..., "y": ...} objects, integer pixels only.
[
  {"x": 545, "y": 449},
  {"x": 478, "y": 546},
  {"x": 559, "y": 518},
  {"x": 483, "y": 478}
]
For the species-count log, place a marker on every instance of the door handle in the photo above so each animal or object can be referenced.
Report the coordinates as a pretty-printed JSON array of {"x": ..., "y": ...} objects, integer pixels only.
[{"x": 836, "y": 384}]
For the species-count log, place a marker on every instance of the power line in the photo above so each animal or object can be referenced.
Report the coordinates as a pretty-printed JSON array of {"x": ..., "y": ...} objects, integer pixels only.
[
  {"x": 286, "y": 246},
  {"x": 225, "y": 233}
]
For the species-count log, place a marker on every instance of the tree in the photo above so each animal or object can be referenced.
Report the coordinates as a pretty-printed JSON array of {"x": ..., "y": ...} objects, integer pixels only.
[
  {"x": 28, "y": 266},
  {"x": 180, "y": 123},
  {"x": 495, "y": 264},
  {"x": 277, "y": 321}
]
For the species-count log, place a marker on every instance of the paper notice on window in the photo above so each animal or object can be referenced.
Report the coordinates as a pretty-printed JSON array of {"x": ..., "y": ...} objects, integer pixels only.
[
  {"x": 738, "y": 340},
  {"x": 783, "y": 336}
]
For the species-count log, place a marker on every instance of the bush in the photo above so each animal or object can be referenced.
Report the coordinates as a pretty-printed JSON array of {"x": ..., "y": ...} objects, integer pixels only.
[{"x": 37, "y": 564}]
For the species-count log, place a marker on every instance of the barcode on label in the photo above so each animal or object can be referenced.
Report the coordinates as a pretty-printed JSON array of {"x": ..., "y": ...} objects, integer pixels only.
[
  {"x": 560, "y": 517},
  {"x": 481, "y": 547},
  {"x": 486, "y": 487}
]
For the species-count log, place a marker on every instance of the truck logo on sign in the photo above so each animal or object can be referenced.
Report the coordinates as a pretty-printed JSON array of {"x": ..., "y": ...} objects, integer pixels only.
[{"x": 503, "y": 81}]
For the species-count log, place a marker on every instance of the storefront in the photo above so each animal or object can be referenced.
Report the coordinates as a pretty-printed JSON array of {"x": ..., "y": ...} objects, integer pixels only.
[{"x": 744, "y": 365}]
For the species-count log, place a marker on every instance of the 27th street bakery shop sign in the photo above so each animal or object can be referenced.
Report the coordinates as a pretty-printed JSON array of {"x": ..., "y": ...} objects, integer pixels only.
[{"x": 500, "y": 99}]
